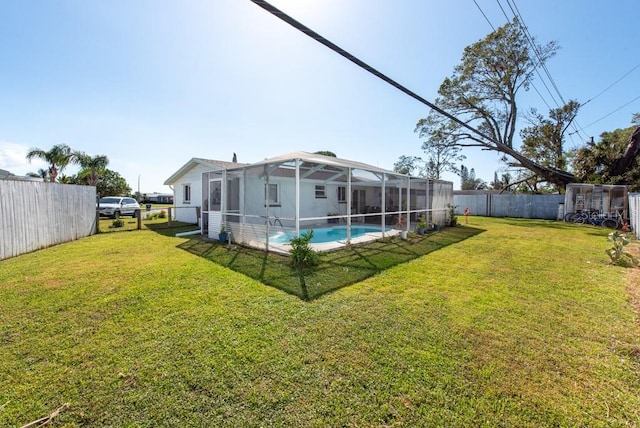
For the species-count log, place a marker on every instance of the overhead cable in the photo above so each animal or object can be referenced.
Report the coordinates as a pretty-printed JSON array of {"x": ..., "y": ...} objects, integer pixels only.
[
  {"x": 611, "y": 85},
  {"x": 337, "y": 49},
  {"x": 485, "y": 16},
  {"x": 525, "y": 29},
  {"x": 609, "y": 114}
]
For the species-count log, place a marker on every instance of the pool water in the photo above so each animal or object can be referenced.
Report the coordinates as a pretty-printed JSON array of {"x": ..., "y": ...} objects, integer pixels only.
[{"x": 324, "y": 235}]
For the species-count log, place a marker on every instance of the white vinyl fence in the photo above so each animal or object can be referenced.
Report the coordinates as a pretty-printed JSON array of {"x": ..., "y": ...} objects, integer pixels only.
[
  {"x": 35, "y": 215},
  {"x": 634, "y": 211}
]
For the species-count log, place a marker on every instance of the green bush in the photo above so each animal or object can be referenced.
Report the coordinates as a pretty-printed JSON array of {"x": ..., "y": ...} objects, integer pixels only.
[
  {"x": 117, "y": 223},
  {"x": 302, "y": 255},
  {"x": 452, "y": 219}
]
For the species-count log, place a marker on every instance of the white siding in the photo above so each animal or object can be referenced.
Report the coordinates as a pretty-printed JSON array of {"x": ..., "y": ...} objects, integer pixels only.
[
  {"x": 186, "y": 212},
  {"x": 310, "y": 206}
]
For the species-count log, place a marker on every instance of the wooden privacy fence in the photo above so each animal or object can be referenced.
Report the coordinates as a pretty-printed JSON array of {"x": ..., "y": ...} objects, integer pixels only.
[{"x": 35, "y": 215}]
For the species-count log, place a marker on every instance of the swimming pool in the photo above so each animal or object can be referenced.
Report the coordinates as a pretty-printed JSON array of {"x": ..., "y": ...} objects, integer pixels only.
[{"x": 327, "y": 234}]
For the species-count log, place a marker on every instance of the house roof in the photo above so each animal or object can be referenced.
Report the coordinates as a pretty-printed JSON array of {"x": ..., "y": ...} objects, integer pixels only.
[
  {"x": 314, "y": 158},
  {"x": 312, "y": 166},
  {"x": 212, "y": 164}
]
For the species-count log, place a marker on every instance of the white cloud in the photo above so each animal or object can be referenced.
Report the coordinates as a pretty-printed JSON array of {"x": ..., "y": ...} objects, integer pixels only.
[{"x": 13, "y": 158}]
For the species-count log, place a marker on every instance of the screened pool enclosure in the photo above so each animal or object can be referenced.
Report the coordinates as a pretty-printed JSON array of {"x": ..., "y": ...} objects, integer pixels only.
[{"x": 264, "y": 204}]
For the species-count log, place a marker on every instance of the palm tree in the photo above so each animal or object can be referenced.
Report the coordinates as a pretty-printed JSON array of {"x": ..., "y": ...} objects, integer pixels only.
[
  {"x": 92, "y": 167},
  {"x": 58, "y": 158}
]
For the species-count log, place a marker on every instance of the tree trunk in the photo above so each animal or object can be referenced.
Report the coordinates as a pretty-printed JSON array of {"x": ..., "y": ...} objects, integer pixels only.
[
  {"x": 556, "y": 176},
  {"x": 629, "y": 155}
]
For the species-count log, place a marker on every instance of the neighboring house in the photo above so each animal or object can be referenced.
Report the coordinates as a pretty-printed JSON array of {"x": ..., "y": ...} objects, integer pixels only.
[
  {"x": 158, "y": 198},
  {"x": 7, "y": 175},
  {"x": 259, "y": 202},
  {"x": 187, "y": 187}
]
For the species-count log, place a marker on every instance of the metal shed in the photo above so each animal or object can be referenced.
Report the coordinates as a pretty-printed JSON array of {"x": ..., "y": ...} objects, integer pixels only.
[{"x": 601, "y": 198}]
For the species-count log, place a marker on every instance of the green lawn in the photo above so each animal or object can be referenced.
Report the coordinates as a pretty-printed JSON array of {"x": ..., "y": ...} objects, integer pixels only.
[{"x": 502, "y": 322}]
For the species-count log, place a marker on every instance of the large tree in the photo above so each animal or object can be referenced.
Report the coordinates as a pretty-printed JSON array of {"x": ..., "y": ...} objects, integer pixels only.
[
  {"x": 58, "y": 157},
  {"x": 543, "y": 143},
  {"x": 481, "y": 96},
  {"x": 112, "y": 184},
  {"x": 613, "y": 159}
]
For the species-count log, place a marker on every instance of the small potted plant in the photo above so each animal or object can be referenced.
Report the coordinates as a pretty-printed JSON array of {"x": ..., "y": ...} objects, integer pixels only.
[
  {"x": 223, "y": 236},
  {"x": 421, "y": 226}
]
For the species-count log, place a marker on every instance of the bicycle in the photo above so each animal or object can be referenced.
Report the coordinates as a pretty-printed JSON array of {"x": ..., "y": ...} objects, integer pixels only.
[{"x": 594, "y": 218}]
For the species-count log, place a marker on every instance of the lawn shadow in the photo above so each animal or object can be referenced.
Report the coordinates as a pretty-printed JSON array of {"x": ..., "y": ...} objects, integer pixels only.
[
  {"x": 163, "y": 227},
  {"x": 336, "y": 269}
]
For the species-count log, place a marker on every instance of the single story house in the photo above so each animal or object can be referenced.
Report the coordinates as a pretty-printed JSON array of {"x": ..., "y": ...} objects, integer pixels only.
[
  {"x": 187, "y": 187},
  {"x": 265, "y": 204}
]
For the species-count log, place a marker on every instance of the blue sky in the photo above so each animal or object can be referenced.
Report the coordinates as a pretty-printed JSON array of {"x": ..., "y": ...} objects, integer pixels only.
[{"x": 153, "y": 83}]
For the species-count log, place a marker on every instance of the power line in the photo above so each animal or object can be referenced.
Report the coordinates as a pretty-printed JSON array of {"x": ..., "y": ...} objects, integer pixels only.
[
  {"x": 494, "y": 29},
  {"x": 611, "y": 85},
  {"x": 529, "y": 37},
  {"x": 317, "y": 37},
  {"x": 485, "y": 16},
  {"x": 609, "y": 114},
  {"x": 541, "y": 79},
  {"x": 337, "y": 49},
  {"x": 535, "y": 68},
  {"x": 605, "y": 90},
  {"x": 516, "y": 13}
]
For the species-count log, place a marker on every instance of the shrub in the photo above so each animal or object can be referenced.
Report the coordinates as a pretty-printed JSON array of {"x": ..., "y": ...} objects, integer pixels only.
[
  {"x": 163, "y": 214},
  {"x": 117, "y": 223},
  {"x": 452, "y": 220},
  {"x": 302, "y": 255},
  {"x": 617, "y": 254},
  {"x": 422, "y": 222}
]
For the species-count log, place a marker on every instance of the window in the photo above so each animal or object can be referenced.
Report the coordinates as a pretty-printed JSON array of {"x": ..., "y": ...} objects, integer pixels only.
[
  {"x": 186, "y": 193},
  {"x": 342, "y": 194},
  {"x": 321, "y": 192},
  {"x": 272, "y": 194}
]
